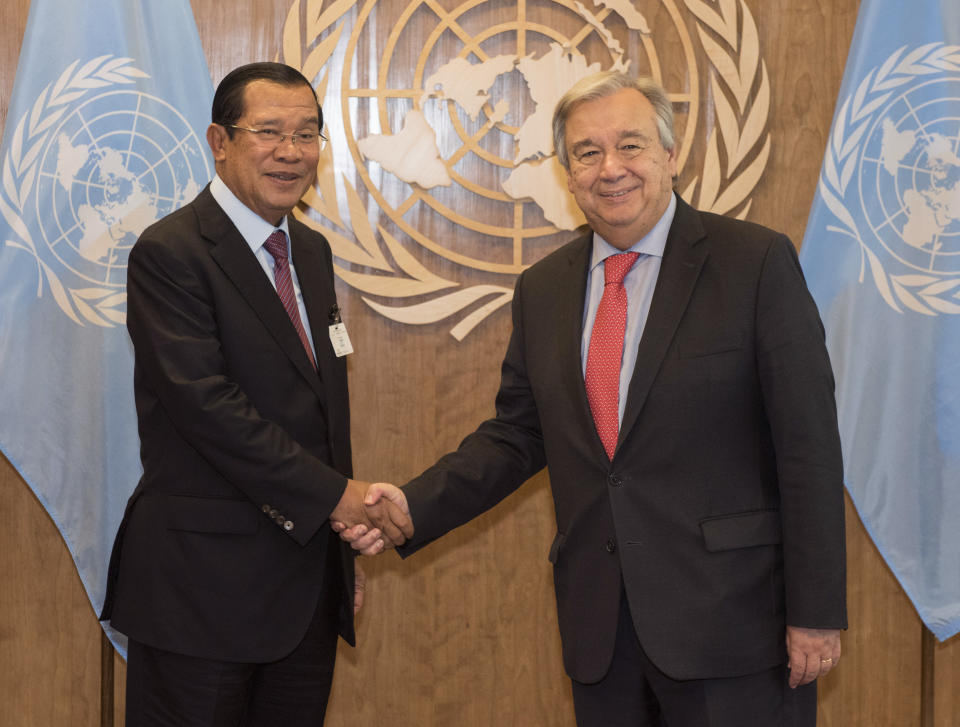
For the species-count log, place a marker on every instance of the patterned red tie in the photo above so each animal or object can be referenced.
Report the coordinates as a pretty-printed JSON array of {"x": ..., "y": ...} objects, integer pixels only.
[
  {"x": 606, "y": 350},
  {"x": 276, "y": 245}
]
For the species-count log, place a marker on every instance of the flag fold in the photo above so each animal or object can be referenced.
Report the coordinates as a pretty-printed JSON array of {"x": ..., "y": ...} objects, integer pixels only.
[
  {"x": 882, "y": 258},
  {"x": 103, "y": 136}
]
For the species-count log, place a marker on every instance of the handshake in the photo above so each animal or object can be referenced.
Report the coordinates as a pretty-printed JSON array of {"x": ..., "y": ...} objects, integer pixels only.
[{"x": 372, "y": 517}]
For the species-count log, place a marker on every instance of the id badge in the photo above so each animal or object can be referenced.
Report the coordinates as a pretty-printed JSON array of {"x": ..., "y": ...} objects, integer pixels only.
[{"x": 340, "y": 340}]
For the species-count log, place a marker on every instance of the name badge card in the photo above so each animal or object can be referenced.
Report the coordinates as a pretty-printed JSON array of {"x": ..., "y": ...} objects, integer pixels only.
[{"x": 340, "y": 340}]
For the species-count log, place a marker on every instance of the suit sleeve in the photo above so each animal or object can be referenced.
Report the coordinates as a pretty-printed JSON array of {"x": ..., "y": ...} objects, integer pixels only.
[
  {"x": 492, "y": 462},
  {"x": 174, "y": 324},
  {"x": 798, "y": 392}
]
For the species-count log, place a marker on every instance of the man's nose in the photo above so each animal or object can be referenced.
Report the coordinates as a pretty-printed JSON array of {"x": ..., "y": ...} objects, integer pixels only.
[
  {"x": 288, "y": 148},
  {"x": 611, "y": 165}
]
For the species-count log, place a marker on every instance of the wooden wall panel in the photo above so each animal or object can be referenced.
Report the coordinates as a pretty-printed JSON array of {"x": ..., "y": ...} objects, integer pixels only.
[
  {"x": 946, "y": 686},
  {"x": 805, "y": 45},
  {"x": 49, "y": 637},
  {"x": 465, "y": 632},
  {"x": 878, "y": 680}
]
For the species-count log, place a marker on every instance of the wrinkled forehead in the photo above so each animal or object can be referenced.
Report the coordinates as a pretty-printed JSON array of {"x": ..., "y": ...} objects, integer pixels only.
[
  {"x": 611, "y": 118},
  {"x": 266, "y": 101}
]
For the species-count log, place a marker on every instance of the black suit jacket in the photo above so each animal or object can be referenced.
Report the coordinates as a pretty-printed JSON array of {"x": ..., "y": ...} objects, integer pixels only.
[
  {"x": 722, "y": 510},
  {"x": 222, "y": 552}
]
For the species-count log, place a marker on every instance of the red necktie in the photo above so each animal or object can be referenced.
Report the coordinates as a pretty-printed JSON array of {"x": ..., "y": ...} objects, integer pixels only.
[
  {"x": 606, "y": 350},
  {"x": 276, "y": 245}
]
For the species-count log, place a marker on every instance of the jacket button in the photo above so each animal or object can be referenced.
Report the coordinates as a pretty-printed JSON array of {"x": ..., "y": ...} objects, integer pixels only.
[
  {"x": 615, "y": 480},
  {"x": 611, "y": 546},
  {"x": 273, "y": 513},
  {"x": 266, "y": 509},
  {"x": 288, "y": 525}
]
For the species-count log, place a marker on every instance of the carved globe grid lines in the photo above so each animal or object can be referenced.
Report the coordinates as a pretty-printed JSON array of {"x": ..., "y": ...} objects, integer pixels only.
[
  {"x": 509, "y": 224},
  {"x": 690, "y": 97},
  {"x": 470, "y": 144},
  {"x": 419, "y": 194},
  {"x": 430, "y": 99}
]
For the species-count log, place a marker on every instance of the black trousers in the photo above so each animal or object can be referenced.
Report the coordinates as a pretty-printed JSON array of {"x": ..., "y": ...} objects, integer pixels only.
[
  {"x": 173, "y": 690},
  {"x": 634, "y": 693}
]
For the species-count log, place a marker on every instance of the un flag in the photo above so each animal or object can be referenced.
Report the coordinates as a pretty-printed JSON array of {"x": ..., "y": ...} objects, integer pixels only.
[
  {"x": 104, "y": 135},
  {"x": 882, "y": 258}
]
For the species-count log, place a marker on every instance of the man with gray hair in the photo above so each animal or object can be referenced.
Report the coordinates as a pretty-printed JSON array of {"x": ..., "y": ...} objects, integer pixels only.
[{"x": 670, "y": 369}]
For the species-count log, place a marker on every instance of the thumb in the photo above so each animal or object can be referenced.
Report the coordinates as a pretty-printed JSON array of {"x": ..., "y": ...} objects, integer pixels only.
[
  {"x": 395, "y": 495},
  {"x": 374, "y": 493}
]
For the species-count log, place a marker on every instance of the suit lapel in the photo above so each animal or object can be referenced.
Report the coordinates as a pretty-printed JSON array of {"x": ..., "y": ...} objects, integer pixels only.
[
  {"x": 319, "y": 298},
  {"x": 232, "y": 253},
  {"x": 314, "y": 270},
  {"x": 683, "y": 258}
]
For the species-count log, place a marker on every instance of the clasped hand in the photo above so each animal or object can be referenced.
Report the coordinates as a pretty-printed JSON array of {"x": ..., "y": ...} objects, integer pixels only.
[{"x": 372, "y": 517}]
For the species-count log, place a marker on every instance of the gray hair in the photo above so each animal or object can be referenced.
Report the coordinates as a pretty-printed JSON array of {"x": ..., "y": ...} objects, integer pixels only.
[{"x": 607, "y": 83}]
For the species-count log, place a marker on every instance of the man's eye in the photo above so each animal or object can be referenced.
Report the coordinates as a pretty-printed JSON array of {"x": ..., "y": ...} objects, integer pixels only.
[
  {"x": 268, "y": 134},
  {"x": 305, "y": 137}
]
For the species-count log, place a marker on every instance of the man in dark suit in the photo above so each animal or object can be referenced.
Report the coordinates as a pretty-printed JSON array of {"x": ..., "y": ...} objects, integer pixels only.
[
  {"x": 225, "y": 574},
  {"x": 684, "y": 404}
]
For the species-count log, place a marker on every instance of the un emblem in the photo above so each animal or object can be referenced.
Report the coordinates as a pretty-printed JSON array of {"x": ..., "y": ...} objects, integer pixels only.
[
  {"x": 897, "y": 135},
  {"x": 101, "y": 164},
  {"x": 441, "y": 183}
]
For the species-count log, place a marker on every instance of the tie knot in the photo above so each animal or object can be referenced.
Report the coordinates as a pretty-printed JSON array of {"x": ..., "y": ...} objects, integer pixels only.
[
  {"x": 616, "y": 267},
  {"x": 276, "y": 245}
]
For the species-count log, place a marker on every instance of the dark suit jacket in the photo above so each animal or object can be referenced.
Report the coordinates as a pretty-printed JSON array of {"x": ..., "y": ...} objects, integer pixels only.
[
  {"x": 223, "y": 548},
  {"x": 722, "y": 510}
]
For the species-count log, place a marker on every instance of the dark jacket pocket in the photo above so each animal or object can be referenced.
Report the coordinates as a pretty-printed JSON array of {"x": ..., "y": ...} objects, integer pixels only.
[
  {"x": 741, "y": 530},
  {"x": 710, "y": 346},
  {"x": 211, "y": 515}
]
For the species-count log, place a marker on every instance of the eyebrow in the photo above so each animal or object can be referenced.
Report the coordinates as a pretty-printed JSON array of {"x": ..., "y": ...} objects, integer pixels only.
[
  {"x": 635, "y": 135},
  {"x": 276, "y": 122},
  {"x": 628, "y": 134}
]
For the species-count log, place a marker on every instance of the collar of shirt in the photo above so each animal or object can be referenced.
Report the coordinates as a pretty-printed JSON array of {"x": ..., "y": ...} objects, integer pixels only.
[
  {"x": 254, "y": 229},
  {"x": 653, "y": 243}
]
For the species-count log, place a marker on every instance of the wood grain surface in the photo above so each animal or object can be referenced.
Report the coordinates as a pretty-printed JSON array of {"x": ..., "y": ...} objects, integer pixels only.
[{"x": 464, "y": 633}]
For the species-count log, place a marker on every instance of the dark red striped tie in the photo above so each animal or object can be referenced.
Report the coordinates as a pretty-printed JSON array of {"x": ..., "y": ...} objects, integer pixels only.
[{"x": 276, "y": 245}]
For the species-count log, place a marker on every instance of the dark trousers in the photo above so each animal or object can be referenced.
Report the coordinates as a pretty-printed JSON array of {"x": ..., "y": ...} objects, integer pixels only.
[
  {"x": 634, "y": 693},
  {"x": 172, "y": 690}
]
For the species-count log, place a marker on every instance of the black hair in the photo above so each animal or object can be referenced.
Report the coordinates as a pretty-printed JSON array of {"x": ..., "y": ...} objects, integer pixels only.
[{"x": 228, "y": 104}]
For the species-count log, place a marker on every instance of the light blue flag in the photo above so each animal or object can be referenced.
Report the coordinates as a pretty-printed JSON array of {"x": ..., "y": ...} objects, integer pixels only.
[
  {"x": 882, "y": 258},
  {"x": 104, "y": 135}
]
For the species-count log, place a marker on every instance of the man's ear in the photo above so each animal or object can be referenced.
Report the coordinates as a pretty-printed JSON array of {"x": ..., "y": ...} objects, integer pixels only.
[{"x": 217, "y": 138}]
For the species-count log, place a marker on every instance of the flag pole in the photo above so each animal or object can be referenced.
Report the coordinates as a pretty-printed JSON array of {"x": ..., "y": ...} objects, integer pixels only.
[
  {"x": 927, "y": 676},
  {"x": 106, "y": 680}
]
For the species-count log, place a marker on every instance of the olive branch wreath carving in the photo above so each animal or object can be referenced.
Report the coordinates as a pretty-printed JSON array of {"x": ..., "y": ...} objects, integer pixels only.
[{"x": 739, "y": 132}]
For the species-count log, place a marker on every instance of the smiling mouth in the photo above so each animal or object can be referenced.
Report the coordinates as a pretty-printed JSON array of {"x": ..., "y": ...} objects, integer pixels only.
[
  {"x": 617, "y": 194},
  {"x": 283, "y": 176}
]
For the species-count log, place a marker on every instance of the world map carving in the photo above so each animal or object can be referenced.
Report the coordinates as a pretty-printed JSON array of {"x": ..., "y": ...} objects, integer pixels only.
[
  {"x": 441, "y": 185},
  {"x": 413, "y": 154}
]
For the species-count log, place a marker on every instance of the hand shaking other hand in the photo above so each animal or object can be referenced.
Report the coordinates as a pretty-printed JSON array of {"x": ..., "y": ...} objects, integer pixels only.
[{"x": 386, "y": 523}]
